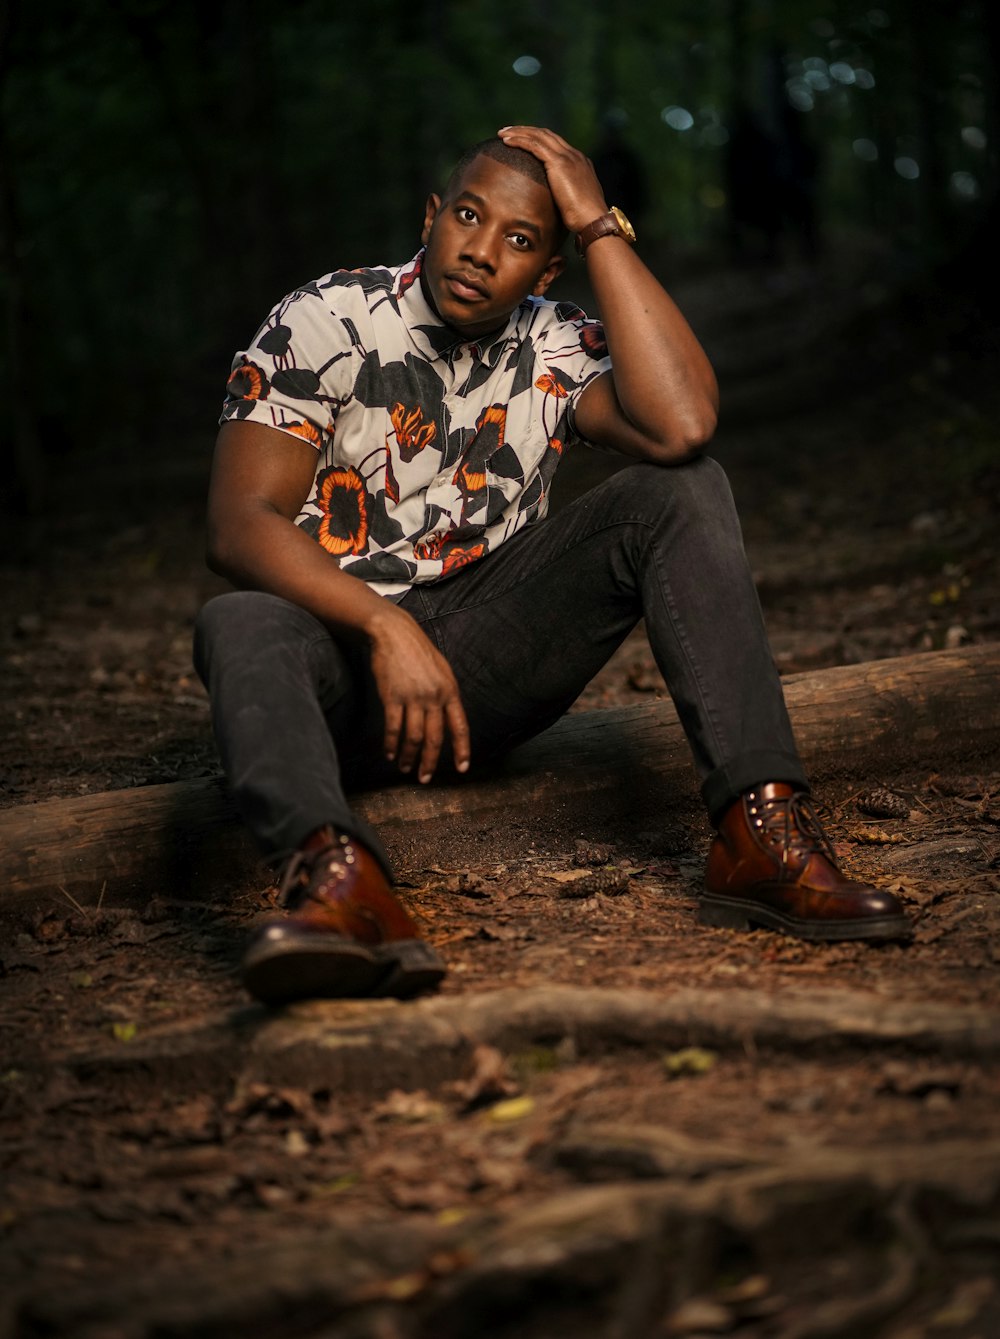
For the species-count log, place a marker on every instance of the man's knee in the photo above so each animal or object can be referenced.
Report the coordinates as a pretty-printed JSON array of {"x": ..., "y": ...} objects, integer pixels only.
[
  {"x": 697, "y": 486},
  {"x": 242, "y": 621}
]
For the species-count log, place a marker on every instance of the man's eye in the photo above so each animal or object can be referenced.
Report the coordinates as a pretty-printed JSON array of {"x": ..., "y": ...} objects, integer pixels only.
[
  {"x": 466, "y": 214},
  {"x": 520, "y": 241}
]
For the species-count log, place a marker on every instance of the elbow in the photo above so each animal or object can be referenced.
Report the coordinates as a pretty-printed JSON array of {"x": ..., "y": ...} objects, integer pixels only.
[
  {"x": 686, "y": 439},
  {"x": 220, "y": 556}
]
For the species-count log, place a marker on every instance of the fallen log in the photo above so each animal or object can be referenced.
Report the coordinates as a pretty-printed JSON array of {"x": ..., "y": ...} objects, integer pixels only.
[
  {"x": 599, "y": 767},
  {"x": 370, "y": 1047}
]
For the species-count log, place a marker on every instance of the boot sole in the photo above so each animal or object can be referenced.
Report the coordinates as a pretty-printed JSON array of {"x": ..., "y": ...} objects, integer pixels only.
[
  {"x": 735, "y": 914},
  {"x": 330, "y": 967}
]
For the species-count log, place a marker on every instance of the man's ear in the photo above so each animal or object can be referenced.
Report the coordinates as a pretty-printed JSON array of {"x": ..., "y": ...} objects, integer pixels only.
[
  {"x": 552, "y": 271},
  {"x": 430, "y": 214}
]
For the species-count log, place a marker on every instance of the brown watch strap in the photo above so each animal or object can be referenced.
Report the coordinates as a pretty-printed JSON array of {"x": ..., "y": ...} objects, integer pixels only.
[{"x": 601, "y": 227}]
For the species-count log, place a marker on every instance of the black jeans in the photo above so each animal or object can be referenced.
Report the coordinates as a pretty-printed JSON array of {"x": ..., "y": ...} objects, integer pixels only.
[{"x": 524, "y": 629}]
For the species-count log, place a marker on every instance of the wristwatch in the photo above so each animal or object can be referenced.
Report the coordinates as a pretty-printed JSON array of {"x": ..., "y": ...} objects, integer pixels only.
[{"x": 614, "y": 224}]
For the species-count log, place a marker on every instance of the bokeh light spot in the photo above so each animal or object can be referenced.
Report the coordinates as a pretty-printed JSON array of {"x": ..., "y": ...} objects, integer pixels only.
[
  {"x": 964, "y": 186},
  {"x": 677, "y": 118},
  {"x": 800, "y": 95},
  {"x": 527, "y": 66},
  {"x": 907, "y": 168},
  {"x": 866, "y": 150},
  {"x": 974, "y": 137}
]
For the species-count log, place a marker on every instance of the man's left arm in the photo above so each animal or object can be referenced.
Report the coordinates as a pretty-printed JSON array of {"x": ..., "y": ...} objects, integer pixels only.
[{"x": 661, "y": 400}]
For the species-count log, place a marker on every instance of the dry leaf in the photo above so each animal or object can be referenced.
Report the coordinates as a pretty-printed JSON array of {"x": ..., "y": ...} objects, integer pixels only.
[
  {"x": 515, "y": 1108},
  {"x": 689, "y": 1060},
  {"x": 876, "y": 837},
  {"x": 415, "y": 1107}
]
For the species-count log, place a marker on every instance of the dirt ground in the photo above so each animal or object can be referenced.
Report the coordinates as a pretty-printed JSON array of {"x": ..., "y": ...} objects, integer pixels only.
[{"x": 536, "y": 1176}]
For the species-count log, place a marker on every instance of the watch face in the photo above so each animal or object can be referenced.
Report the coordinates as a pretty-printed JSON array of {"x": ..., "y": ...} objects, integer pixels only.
[{"x": 623, "y": 223}]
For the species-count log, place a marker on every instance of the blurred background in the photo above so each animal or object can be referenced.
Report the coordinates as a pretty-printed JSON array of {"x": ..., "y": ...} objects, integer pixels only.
[
  {"x": 815, "y": 181},
  {"x": 167, "y": 170}
]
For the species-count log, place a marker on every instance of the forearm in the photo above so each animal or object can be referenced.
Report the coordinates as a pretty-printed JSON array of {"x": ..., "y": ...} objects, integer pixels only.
[
  {"x": 259, "y": 549},
  {"x": 260, "y": 480},
  {"x": 662, "y": 377},
  {"x": 664, "y": 399}
]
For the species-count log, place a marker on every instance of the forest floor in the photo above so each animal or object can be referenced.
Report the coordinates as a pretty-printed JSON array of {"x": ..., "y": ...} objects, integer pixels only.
[{"x": 611, "y": 1120}]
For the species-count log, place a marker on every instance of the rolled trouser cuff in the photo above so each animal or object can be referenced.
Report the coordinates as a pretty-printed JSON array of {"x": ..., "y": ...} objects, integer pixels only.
[
  {"x": 733, "y": 779},
  {"x": 351, "y": 825}
]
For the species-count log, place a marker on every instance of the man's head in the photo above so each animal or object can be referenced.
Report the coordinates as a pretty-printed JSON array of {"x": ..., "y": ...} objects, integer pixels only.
[
  {"x": 518, "y": 160},
  {"x": 492, "y": 238}
]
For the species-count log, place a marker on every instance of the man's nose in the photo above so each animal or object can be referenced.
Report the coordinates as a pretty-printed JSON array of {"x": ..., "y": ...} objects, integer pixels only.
[{"x": 481, "y": 249}]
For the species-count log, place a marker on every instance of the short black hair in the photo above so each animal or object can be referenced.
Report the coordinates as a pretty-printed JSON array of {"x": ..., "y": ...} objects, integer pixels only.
[{"x": 518, "y": 160}]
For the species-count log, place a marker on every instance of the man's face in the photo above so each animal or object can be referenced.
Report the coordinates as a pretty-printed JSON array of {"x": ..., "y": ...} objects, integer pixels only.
[{"x": 490, "y": 243}]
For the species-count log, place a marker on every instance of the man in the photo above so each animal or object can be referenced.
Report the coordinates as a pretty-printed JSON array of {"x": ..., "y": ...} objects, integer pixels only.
[{"x": 378, "y": 497}]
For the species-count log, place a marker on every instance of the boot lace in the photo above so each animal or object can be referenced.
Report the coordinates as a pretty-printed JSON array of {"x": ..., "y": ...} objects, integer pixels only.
[
  {"x": 790, "y": 824},
  {"x": 299, "y": 881}
]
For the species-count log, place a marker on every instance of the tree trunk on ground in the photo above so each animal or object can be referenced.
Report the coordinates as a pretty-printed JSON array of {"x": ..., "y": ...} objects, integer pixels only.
[{"x": 621, "y": 766}]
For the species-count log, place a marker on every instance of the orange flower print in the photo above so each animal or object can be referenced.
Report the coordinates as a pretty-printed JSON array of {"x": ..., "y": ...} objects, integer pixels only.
[
  {"x": 343, "y": 527},
  {"x": 429, "y": 547},
  {"x": 556, "y": 444},
  {"x": 593, "y": 342},
  {"x": 307, "y": 430},
  {"x": 412, "y": 433},
  {"x": 248, "y": 381},
  {"x": 460, "y": 555},
  {"x": 490, "y": 428},
  {"x": 391, "y": 486},
  {"x": 469, "y": 480},
  {"x": 548, "y": 383},
  {"x": 494, "y": 415}
]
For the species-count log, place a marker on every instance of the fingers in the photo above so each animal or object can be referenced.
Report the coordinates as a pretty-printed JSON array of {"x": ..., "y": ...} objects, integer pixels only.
[
  {"x": 571, "y": 176},
  {"x": 540, "y": 134},
  {"x": 393, "y": 726},
  {"x": 430, "y": 727},
  {"x": 412, "y": 736},
  {"x": 420, "y": 698},
  {"x": 458, "y": 728},
  {"x": 416, "y": 731},
  {"x": 544, "y": 144}
]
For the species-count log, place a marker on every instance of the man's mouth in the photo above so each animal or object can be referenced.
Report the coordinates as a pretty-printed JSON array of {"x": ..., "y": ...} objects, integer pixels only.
[{"x": 466, "y": 287}]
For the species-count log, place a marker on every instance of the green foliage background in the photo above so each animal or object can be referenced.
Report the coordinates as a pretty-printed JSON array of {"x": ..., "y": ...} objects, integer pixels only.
[{"x": 167, "y": 170}]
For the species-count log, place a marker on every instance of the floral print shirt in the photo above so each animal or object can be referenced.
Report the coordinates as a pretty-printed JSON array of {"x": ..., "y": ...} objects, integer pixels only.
[{"x": 431, "y": 450}]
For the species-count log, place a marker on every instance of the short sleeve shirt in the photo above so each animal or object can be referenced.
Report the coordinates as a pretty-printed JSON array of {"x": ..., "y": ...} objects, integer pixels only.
[{"x": 431, "y": 450}]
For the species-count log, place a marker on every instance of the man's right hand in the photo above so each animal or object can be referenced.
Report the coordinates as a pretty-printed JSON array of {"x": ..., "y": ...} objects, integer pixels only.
[{"x": 419, "y": 694}]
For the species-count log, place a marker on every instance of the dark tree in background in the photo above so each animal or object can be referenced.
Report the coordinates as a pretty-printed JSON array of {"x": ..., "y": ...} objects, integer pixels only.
[{"x": 168, "y": 169}]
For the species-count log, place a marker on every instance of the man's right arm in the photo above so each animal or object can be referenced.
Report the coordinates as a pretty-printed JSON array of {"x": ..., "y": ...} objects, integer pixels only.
[{"x": 260, "y": 479}]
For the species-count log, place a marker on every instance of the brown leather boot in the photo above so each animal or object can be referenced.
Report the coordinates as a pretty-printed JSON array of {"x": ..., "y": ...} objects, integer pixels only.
[
  {"x": 346, "y": 935},
  {"x": 772, "y": 864}
]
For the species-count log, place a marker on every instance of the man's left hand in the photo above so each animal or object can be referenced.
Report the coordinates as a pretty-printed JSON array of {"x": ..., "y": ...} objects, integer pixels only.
[{"x": 572, "y": 179}]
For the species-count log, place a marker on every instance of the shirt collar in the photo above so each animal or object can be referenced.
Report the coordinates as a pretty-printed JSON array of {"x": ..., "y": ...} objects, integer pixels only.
[{"x": 441, "y": 340}]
